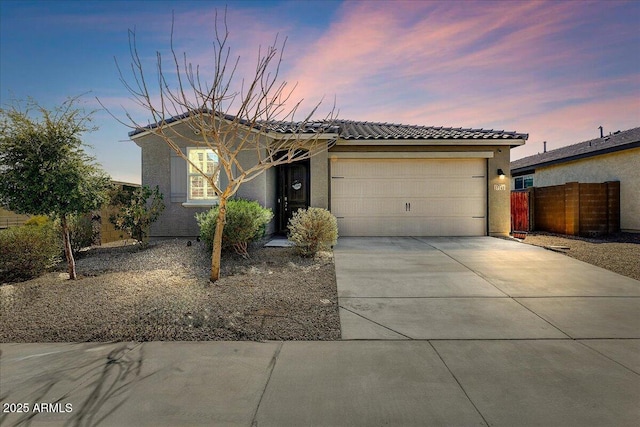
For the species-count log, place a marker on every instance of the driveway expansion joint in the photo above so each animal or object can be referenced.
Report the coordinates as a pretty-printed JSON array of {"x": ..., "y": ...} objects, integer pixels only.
[
  {"x": 459, "y": 384},
  {"x": 271, "y": 367},
  {"x": 374, "y": 322}
]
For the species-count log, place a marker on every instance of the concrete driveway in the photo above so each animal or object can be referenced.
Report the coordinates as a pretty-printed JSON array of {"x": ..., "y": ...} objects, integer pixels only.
[
  {"x": 532, "y": 337},
  {"x": 477, "y": 288}
]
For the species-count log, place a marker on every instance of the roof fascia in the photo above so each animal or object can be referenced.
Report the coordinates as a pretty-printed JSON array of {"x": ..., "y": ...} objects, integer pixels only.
[
  {"x": 426, "y": 142},
  {"x": 411, "y": 155},
  {"x": 522, "y": 171}
]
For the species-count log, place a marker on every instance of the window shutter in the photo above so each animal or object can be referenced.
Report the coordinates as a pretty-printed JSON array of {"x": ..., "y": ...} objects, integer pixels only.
[{"x": 178, "y": 178}]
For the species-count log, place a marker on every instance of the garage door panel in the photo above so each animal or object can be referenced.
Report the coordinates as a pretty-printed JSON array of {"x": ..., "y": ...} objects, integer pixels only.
[
  {"x": 435, "y": 206},
  {"x": 407, "y": 168},
  {"x": 374, "y": 207},
  {"x": 443, "y": 207},
  {"x": 393, "y": 226},
  {"x": 409, "y": 197},
  {"x": 436, "y": 187}
]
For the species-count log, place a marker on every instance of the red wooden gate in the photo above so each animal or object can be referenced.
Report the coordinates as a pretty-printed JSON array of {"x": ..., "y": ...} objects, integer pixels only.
[{"x": 519, "y": 211}]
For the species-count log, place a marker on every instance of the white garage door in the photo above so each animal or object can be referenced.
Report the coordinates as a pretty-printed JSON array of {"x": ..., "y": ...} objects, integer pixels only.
[{"x": 416, "y": 197}]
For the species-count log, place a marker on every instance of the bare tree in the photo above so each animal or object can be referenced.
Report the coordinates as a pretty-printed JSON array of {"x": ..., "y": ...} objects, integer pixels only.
[{"x": 259, "y": 117}]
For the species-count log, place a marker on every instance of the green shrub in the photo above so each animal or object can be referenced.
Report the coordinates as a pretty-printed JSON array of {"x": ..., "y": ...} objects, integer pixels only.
[
  {"x": 137, "y": 210},
  {"x": 312, "y": 230},
  {"x": 38, "y": 221},
  {"x": 81, "y": 232},
  {"x": 245, "y": 222},
  {"x": 26, "y": 252}
]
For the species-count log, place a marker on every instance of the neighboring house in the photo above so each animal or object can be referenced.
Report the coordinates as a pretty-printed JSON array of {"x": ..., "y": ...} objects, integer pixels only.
[
  {"x": 378, "y": 179},
  {"x": 615, "y": 157}
]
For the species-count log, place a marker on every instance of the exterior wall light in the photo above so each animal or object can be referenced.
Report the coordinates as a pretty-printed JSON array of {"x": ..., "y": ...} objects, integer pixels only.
[{"x": 501, "y": 173}]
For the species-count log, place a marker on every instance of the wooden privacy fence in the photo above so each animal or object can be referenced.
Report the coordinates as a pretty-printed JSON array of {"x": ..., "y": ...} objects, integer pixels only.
[
  {"x": 11, "y": 219},
  {"x": 520, "y": 211},
  {"x": 573, "y": 208}
]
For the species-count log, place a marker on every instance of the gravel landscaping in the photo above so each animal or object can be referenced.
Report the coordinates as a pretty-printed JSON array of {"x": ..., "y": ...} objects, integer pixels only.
[
  {"x": 162, "y": 293},
  {"x": 619, "y": 252}
]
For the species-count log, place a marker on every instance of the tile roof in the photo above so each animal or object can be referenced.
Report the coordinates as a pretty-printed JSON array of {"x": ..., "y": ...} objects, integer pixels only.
[
  {"x": 609, "y": 143},
  {"x": 355, "y": 130},
  {"x": 271, "y": 126},
  {"x": 359, "y": 130}
]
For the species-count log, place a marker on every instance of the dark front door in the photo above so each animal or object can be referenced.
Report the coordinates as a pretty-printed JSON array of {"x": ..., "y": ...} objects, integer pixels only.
[{"x": 293, "y": 191}]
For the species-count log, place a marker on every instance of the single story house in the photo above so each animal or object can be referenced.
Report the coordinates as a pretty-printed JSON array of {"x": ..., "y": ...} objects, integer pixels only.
[
  {"x": 614, "y": 157},
  {"x": 378, "y": 179}
]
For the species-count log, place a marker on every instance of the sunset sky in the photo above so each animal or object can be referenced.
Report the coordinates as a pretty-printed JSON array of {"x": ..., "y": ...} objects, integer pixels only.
[{"x": 555, "y": 70}]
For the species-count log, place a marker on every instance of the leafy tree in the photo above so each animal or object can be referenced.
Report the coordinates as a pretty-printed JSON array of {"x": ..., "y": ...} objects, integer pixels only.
[
  {"x": 135, "y": 211},
  {"x": 228, "y": 122},
  {"x": 44, "y": 169}
]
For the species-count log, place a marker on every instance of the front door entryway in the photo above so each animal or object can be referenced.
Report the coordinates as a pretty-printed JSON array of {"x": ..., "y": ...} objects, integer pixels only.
[{"x": 293, "y": 191}]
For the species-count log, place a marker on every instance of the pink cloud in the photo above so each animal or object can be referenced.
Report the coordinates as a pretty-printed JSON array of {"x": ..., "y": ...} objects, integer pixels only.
[
  {"x": 434, "y": 46},
  {"x": 473, "y": 64},
  {"x": 372, "y": 38}
]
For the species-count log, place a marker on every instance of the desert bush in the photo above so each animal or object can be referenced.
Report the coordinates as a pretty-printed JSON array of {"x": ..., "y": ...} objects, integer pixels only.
[
  {"x": 38, "y": 221},
  {"x": 81, "y": 232},
  {"x": 136, "y": 210},
  {"x": 27, "y": 251},
  {"x": 245, "y": 222},
  {"x": 312, "y": 230}
]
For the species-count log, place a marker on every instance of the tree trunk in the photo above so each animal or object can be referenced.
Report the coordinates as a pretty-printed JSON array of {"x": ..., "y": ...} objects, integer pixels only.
[
  {"x": 217, "y": 240},
  {"x": 71, "y": 263}
]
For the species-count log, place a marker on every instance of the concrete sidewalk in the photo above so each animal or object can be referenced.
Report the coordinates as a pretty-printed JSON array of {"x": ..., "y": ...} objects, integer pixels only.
[
  {"x": 349, "y": 383},
  {"x": 450, "y": 332}
]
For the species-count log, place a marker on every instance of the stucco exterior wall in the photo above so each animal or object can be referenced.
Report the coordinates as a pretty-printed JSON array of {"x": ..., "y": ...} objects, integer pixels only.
[
  {"x": 177, "y": 220},
  {"x": 498, "y": 193},
  {"x": 261, "y": 189},
  {"x": 320, "y": 180},
  {"x": 623, "y": 166}
]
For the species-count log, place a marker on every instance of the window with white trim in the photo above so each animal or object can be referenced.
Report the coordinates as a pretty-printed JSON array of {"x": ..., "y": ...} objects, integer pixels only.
[{"x": 198, "y": 188}]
